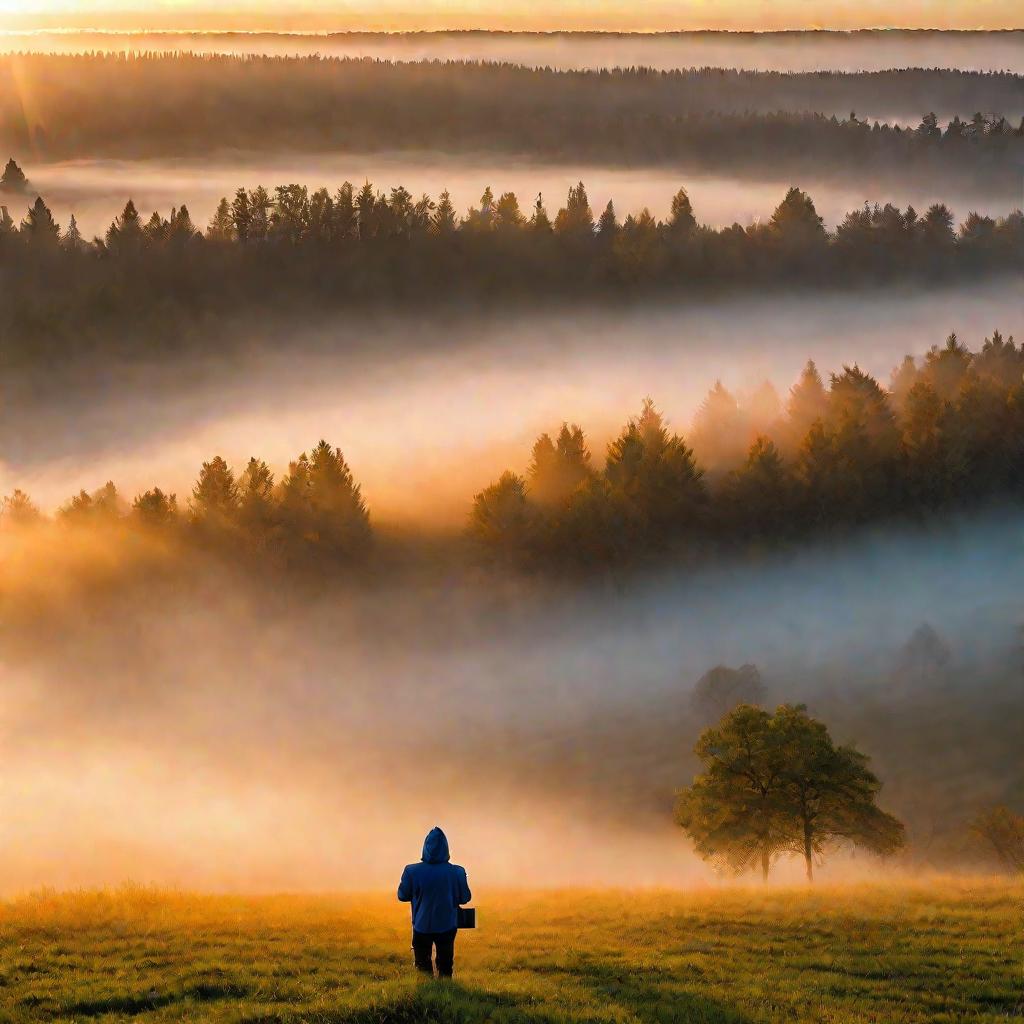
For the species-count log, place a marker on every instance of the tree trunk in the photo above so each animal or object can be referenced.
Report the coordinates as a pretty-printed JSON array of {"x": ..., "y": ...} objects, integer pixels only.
[
  {"x": 764, "y": 865},
  {"x": 808, "y": 854}
]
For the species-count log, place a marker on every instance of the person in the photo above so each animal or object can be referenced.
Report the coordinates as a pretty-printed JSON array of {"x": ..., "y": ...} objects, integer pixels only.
[{"x": 436, "y": 888}]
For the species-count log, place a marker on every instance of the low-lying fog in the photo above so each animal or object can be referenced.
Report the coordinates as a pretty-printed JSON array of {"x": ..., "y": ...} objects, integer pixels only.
[
  {"x": 783, "y": 51},
  {"x": 217, "y": 738},
  {"x": 213, "y": 736},
  {"x": 428, "y": 413},
  {"x": 95, "y": 191}
]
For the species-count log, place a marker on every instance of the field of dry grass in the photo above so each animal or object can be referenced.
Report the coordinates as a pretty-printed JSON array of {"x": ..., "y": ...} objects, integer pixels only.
[{"x": 941, "y": 950}]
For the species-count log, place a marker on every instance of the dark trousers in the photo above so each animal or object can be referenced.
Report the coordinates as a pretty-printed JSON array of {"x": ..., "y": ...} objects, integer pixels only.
[{"x": 423, "y": 944}]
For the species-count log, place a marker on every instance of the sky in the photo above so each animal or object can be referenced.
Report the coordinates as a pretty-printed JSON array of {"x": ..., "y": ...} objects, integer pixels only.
[{"x": 543, "y": 15}]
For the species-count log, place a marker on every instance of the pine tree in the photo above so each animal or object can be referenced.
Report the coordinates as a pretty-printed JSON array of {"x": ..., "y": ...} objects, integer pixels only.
[
  {"x": 540, "y": 222},
  {"x": 808, "y": 401},
  {"x": 682, "y": 222},
  {"x": 720, "y": 432},
  {"x": 221, "y": 227},
  {"x": 156, "y": 230},
  {"x": 344, "y": 214},
  {"x": 155, "y": 509},
  {"x": 215, "y": 495},
  {"x": 929, "y": 127},
  {"x": 320, "y": 227},
  {"x": 501, "y": 518},
  {"x": 73, "y": 240},
  {"x": 339, "y": 521},
  {"x": 903, "y": 378},
  {"x": 607, "y": 225},
  {"x": 125, "y": 233},
  {"x": 260, "y": 208},
  {"x": 180, "y": 229},
  {"x": 241, "y": 216},
  {"x": 487, "y": 209},
  {"x": 819, "y": 478},
  {"x": 759, "y": 497},
  {"x": 557, "y": 469},
  {"x": 13, "y": 179},
  {"x": 576, "y": 219},
  {"x": 366, "y": 203},
  {"x": 8, "y": 229},
  {"x": 257, "y": 509},
  {"x": 945, "y": 368},
  {"x": 797, "y": 229},
  {"x": 654, "y": 476},
  {"x": 507, "y": 215},
  {"x": 444, "y": 219},
  {"x": 39, "y": 228}
]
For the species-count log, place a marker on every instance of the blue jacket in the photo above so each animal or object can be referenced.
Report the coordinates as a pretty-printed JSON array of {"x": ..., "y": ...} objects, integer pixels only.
[{"x": 435, "y": 887}]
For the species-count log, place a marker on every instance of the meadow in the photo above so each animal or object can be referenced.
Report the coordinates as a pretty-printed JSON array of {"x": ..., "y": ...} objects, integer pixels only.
[{"x": 927, "y": 950}]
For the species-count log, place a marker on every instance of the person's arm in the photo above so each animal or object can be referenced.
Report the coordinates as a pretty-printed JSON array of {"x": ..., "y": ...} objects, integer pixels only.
[
  {"x": 405, "y": 888},
  {"x": 464, "y": 894}
]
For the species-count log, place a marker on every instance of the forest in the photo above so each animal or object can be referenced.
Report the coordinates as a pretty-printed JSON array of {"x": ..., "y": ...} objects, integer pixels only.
[
  {"x": 293, "y": 250},
  {"x": 945, "y": 435},
  {"x": 172, "y": 105}
]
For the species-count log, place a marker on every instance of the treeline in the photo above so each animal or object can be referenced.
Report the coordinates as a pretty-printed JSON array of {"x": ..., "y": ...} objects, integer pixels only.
[
  {"x": 170, "y": 105},
  {"x": 296, "y": 250},
  {"x": 313, "y": 517},
  {"x": 947, "y": 433}
]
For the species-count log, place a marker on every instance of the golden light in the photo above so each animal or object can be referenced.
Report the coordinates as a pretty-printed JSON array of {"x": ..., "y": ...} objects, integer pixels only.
[{"x": 641, "y": 15}]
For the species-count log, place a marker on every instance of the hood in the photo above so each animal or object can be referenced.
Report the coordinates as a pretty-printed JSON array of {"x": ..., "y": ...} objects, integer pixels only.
[{"x": 435, "y": 847}]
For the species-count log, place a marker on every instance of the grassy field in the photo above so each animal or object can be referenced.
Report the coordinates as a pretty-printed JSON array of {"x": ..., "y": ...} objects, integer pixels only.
[{"x": 935, "y": 951}]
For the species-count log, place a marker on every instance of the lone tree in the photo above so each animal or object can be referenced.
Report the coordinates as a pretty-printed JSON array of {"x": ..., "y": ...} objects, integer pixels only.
[
  {"x": 828, "y": 792},
  {"x": 13, "y": 179},
  {"x": 733, "y": 812},
  {"x": 776, "y": 783}
]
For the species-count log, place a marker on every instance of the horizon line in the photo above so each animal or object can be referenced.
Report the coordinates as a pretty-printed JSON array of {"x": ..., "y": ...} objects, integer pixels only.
[{"x": 323, "y": 33}]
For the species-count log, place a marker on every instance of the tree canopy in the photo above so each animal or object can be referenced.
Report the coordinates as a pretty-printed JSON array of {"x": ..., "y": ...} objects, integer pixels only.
[
  {"x": 775, "y": 784},
  {"x": 295, "y": 251}
]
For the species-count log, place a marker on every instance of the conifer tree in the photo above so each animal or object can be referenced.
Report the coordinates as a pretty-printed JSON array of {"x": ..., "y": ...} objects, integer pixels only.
[
  {"x": 682, "y": 222},
  {"x": 125, "y": 233},
  {"x": 8, "y": 229},
  {"x": 557, "y": 469},
  {"x": 241, "y": 216},
  {"x": 39, "y": 228},
  {"x": 72, "y": 240},
  {"x": 539, "y": 221},
  {"x": 575, "y": 219},
  {"x": 155, "y": 509},
  {"x": 808, "y": 402},
  {"x": 507, "y": 215},
  {"x": 501, "y": 517},
  {"x": 759, "y": 497},
  {"x": 215, "y": 495},
  {"x": 654, "y": 477},
  {"x": 321, "y": 497},
  {"x": 720, "y": 433},
  {"x": 444, "y": 221},
  {"x": 344, "y": 213},
  {"x": 607, "y": 224},
  {"x": 13, "y": 178},
  {"x": 221, "y": 227}
]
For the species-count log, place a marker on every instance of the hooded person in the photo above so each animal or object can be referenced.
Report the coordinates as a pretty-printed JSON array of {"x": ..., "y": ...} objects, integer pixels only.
[{"x": 436, "y": 888}]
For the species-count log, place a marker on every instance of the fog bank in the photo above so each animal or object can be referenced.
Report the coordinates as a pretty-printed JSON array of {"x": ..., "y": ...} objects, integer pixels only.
[
  {"x": 428, "y": 413},
  {"x": 768, "y": 51},
  {"x": 95, "y": 191},
  {"x": 217, "y": 736}
]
